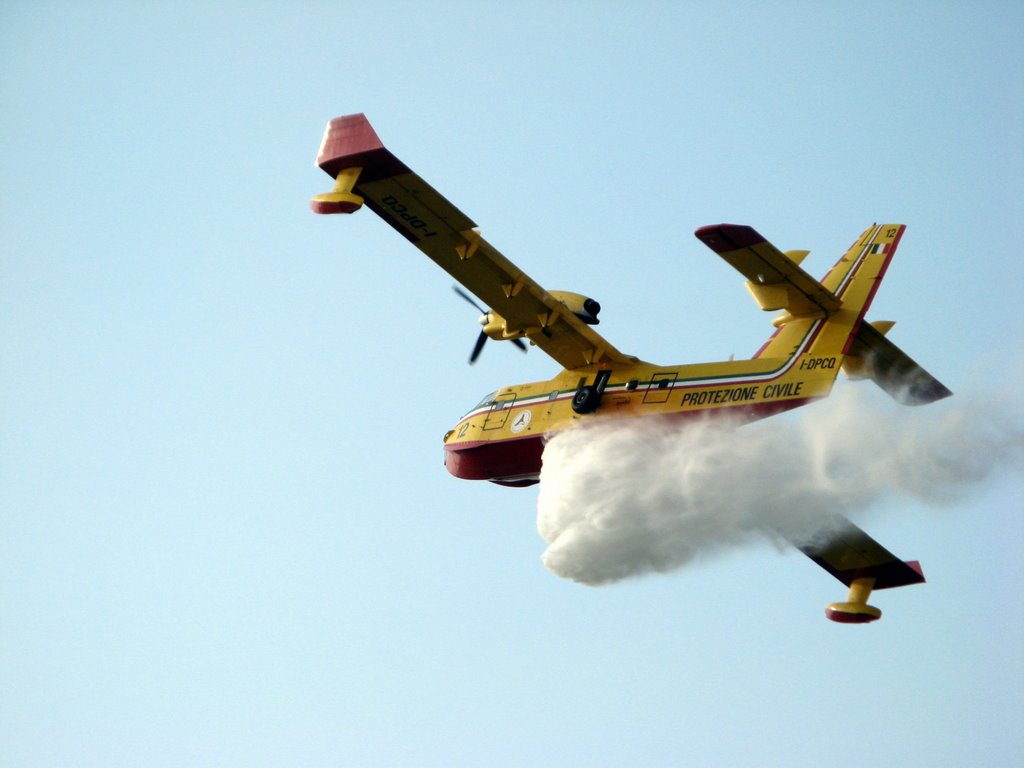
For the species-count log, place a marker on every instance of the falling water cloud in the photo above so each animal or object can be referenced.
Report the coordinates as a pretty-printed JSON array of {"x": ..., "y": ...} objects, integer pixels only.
[{"x": 620, "y": 499}]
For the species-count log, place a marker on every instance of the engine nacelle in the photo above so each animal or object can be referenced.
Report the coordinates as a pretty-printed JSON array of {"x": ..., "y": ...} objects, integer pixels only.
[
  {"x": 494, "y": 326},
  {"x": 585, "y": 309}
]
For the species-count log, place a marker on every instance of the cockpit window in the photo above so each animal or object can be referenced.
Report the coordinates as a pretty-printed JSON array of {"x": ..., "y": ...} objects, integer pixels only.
[{"x": 487, "y": 400}]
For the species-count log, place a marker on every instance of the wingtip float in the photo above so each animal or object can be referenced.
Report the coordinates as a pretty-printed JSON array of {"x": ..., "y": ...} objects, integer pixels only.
[
  {"x": 820, "y": 330},
  {"x": 855, "y": 610}
]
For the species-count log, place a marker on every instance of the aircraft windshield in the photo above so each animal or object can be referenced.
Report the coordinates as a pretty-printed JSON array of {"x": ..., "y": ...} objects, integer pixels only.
[{"x": 488, "y": 399}]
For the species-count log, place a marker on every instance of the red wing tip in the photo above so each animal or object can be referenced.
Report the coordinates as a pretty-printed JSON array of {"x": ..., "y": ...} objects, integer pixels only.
[
  {"x": 355, "y": 117},
  {"x": 347, "y": 136},
  {"x": 722, "y": 238}
]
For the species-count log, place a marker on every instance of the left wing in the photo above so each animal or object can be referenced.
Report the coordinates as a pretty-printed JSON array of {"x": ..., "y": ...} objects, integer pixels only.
[
  {"x": 862, "y": 564},
  {"x": 365, "y": 171},
  {"x": 848, "y": 553}
]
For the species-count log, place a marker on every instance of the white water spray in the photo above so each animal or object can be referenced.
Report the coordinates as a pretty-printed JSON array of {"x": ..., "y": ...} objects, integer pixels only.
[{"x": 626, "y": 498}]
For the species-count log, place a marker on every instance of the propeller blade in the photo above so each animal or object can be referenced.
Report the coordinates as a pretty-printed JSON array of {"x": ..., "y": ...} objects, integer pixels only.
[
  {"x": 469, "y": 298},
  {"x": 480, "y": 341},
  {"x": 484, "y": 315}
]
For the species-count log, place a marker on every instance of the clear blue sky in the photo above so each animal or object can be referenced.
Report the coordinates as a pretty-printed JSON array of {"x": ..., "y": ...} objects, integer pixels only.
[{"x": 226, "y": 535}]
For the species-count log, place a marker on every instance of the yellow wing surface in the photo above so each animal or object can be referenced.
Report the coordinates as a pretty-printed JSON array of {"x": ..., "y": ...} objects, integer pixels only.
[{"x": 367, "y": 172}]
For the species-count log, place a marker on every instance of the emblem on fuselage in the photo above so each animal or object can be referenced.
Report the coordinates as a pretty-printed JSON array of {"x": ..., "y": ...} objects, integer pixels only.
[{"x": 522, "y": 421}]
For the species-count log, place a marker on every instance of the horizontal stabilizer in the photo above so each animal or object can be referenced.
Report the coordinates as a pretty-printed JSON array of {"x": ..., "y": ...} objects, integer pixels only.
[
  {"x": 873, "y": 356},
  {"x": 775, "y": 279}
]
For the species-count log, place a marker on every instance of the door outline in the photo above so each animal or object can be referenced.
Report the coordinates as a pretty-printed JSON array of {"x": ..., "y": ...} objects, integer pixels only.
[
  {"x": 660, "y": 388},
  {"x": 500, "y": 409}
]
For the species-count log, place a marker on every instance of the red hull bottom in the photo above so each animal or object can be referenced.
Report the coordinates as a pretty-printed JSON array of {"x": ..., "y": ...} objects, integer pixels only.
[{"x": 507, "y": 462}]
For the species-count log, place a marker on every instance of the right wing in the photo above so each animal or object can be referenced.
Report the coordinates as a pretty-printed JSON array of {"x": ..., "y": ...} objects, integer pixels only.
[{"x": 445, "y": 234}]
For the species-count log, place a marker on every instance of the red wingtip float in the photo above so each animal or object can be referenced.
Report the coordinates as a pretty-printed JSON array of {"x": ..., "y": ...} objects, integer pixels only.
[{"x": 820, "y": 330}]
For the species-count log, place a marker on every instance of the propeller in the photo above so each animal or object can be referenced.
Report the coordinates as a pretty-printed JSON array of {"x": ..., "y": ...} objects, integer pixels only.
[{"x": 484, "y": 318}]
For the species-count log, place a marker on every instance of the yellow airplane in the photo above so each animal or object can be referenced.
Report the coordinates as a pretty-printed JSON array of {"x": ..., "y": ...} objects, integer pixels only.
[{"x": 820, "y": 330}]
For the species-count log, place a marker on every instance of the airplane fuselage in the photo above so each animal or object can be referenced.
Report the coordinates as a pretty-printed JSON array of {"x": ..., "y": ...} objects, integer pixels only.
[{"x": 502, "y": 438}]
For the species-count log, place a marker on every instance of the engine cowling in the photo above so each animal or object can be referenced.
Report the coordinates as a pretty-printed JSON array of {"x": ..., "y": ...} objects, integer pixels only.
[{"x": 584, "y": 308}]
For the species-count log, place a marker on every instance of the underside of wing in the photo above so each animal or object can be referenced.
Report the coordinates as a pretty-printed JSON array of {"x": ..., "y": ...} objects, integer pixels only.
[
  {"x": 848, "y": 553},
  {"x": 873, "y": 356},
  {"x": 367, "y": 172}
]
